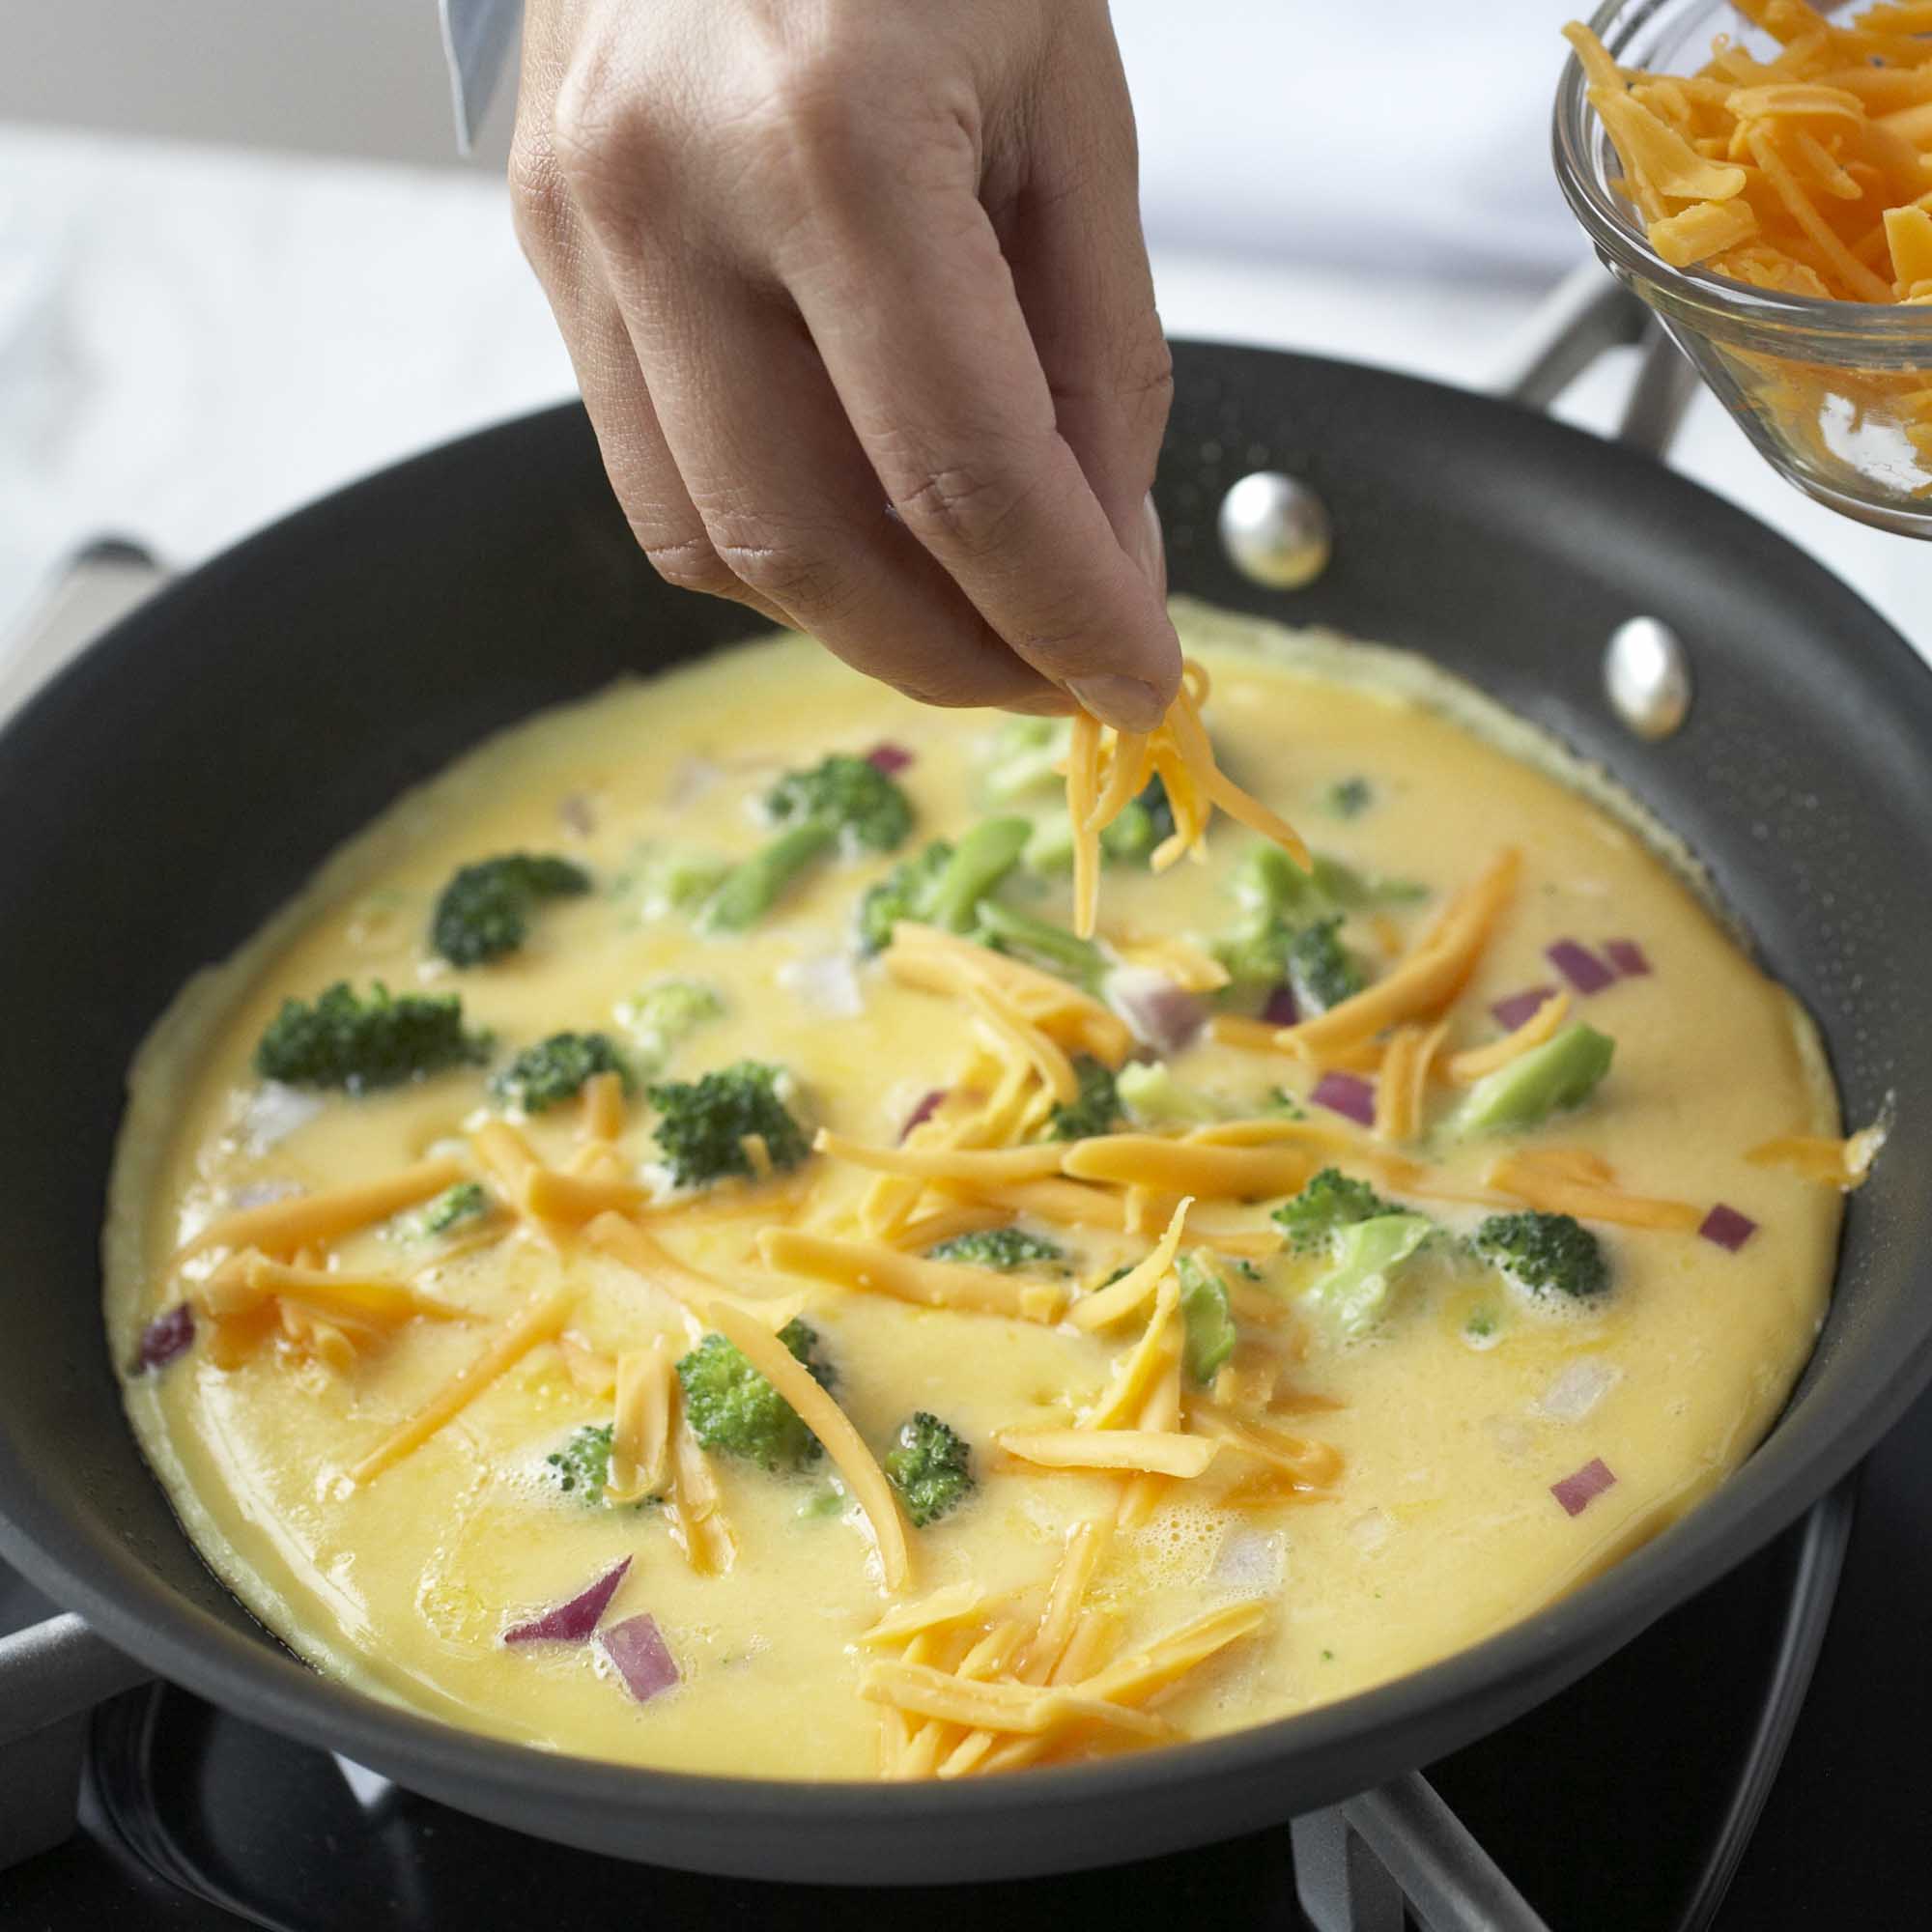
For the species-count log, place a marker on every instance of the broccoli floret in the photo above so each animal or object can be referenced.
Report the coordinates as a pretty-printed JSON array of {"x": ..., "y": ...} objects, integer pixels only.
[
  {"x": 839, "y": 802},
  {"x": 733, "y": 1409},
  {"x": 1562, "y": 1073},
  {"x": 1097, "y": 1110},
  {"x": 865, "y": 808},
  {"x": 1001, "y": 1248},
  {"x": 1321, "y": 969},
  {"x": 1329, "y": 1203},
  {"x": 582, "y": 1468},
  {"x": 1279, "y": 1100},
  {"x": 1347, "y": 798},
  {"x": 1154, "y": 1098},
  {"x": 1208, "y": 1321},
  {"x": 704, "y": 1124},
  {"x": 930, "y": 1467},
  {"x": 555, "y": 1070},
  {"x": 1143, "y": 823},
  {"x": 1024, "y": 754},
  {"x": 345, "y": 1039},
  {"x": 677, "y": 880},
  {"x": 485, "y": 910},
  {"x": 1353, "y": 1294},
  {"x": 463, "y": 1201},
  {"x": 1344, "y": 886},
  {"x": 1292, "y": 924},
  {"x": 943, "y": 884},
  {"x": 663, "y": 1015},
  {"x": 1545, "y": 1254},
  {"x": 1040, "y": 943},
  {"x": 904, "y": 893}
]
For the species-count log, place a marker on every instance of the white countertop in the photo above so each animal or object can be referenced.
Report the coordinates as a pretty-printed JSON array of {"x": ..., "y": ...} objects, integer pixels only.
[{"x": 194, "y": 341}]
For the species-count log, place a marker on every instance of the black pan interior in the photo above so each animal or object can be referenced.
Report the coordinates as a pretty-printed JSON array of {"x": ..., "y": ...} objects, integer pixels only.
[{"x": 173, "y": 788}]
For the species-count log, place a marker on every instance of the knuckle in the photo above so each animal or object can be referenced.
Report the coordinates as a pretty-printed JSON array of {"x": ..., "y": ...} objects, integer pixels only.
[
  {"x": 960, "y": 509},
  {"x": 689, "y": 563},
  {"x": 786, "y": 574},
  {"x": 605, "y": 135}
]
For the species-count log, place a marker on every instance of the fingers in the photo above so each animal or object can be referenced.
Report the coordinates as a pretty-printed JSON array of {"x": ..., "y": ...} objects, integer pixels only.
[
  {"x": 782, "y": 494},
  {"x": 1080, "y": 270},
  {"x": 643, "y": 473},
  {"x": 914, "y": 311}
]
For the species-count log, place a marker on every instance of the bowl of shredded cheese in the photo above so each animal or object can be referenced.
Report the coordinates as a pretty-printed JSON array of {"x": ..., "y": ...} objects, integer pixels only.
[{"x": 1760, "y": 173}]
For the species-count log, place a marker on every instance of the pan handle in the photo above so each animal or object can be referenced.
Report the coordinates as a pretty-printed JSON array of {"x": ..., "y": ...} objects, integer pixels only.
[
  {"x": 57, "y": 1669},
  {"x": 1585, "y": 316}
]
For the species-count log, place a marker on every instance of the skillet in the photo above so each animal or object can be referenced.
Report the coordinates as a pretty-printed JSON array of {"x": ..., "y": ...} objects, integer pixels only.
[{"x": 177, "y": 783}]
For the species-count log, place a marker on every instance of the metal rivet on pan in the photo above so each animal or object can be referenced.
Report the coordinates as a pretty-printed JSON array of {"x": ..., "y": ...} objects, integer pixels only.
[
  {"x": 1647, "y": 677},
  {"x": 1275, "y": 531}
]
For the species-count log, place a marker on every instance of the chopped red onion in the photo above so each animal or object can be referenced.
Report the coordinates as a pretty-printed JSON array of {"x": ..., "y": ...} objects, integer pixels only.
[
  {"x": 889, "y": 758},
  {"x": 643, "y": 1659},
  {"x": 1161, "y": 1015},
  {"x": 1626, "y": 956},
  {"x": 1576, "y": 1493},
  {"x": 923, "y": 1113},
  {"x": 1281, "y": 1009},
  {"x": 164, "y": 1338},
  {"x": 1344, "y": 1094},
  {"x": 1511, "y": 1012},
  {"x": 1726, "y": 1227},
  {"x": 1580, "y": 966},
  {"x": 574, "y": 1621}
]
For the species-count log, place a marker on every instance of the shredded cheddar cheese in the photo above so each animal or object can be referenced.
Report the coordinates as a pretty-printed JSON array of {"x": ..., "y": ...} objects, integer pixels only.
[
  {"x": 541, "y": 1320},
  {"x": 1843, "y": 1164},
  {"x": 870, "y": 1267},
  {"x": 1159, "y": 1451},
  {"x": 279, "y": 1227},
  {"x": 1538, "y": 1185}
]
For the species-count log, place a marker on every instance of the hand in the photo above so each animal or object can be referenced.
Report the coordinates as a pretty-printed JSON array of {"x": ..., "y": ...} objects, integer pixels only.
[{"x": 859, "y": 304}]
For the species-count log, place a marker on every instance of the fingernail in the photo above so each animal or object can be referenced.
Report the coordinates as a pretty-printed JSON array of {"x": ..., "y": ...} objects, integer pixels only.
[
  {"x": 1123, "y": 702},
  {"x": 1149, "y": 548}
]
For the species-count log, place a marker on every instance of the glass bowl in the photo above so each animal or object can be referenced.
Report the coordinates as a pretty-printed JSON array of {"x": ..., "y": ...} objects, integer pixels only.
[{"x": 1836, "y": 395}]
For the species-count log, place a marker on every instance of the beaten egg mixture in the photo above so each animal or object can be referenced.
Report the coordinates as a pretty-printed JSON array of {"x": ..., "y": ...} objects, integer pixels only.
[{"x": 415, "y": 1362}]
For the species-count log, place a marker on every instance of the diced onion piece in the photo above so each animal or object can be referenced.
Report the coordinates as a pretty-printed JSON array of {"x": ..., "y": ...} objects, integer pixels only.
[
  {"x": 1627, "y": 958},
  {"x": 1728, "y": 1228},
  {"x": 1160, "y": 1013},
  {"x": 164, "y": 1338},
  {"x": 571, "y": 1622},
  {"x": 1281, "y": 1010},
  {"x": 1512, "y": 1010},
  {"x": 889, "y": 758},
  {"x": 1576, "y": 1493},
  {"x": 642, "y": 1657},
  {"x": 1347, "y": 1094},
  {"x": 923, "y": 1113},
  {"x": 1580, "y": 966}
]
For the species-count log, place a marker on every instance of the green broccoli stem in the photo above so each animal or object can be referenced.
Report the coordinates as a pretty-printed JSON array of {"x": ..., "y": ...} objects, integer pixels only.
[
  {"x": 752, "y": 887},
  {"x": 1007, "y": 930},
  {"x": 980, "y": 860}
]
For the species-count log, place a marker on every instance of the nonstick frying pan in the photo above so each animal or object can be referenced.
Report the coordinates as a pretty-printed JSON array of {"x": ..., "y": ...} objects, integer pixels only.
[{"x": 173, "y": 787}]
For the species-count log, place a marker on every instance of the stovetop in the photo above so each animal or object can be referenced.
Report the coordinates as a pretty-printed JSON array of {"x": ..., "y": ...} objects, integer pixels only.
[{"x": 1617, "y": 1805}]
